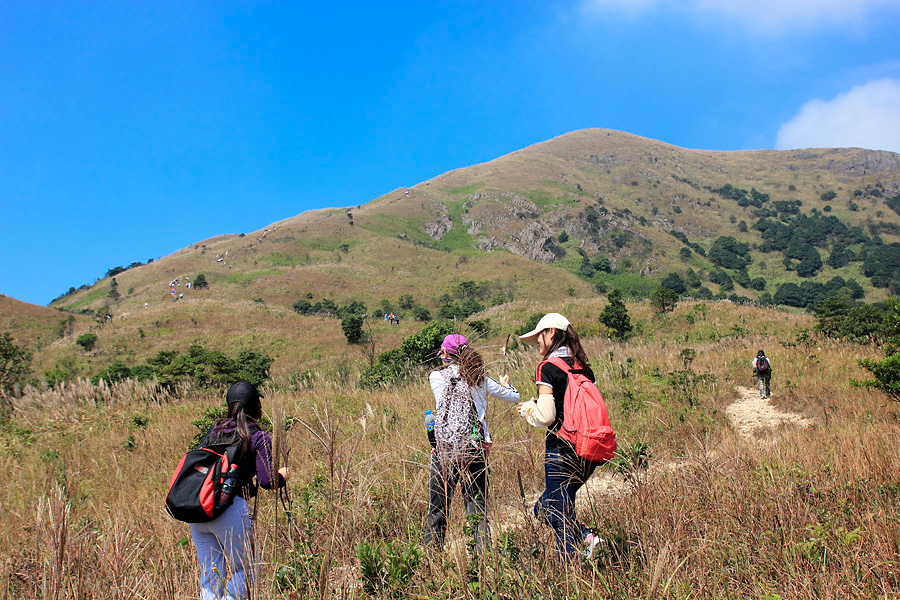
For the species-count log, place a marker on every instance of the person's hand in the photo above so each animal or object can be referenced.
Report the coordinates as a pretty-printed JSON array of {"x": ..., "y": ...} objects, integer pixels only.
[
  {"x": 504, "y": 379},
  {"x": 524, "y": 407},
  {"x": 285, "y": 473}
]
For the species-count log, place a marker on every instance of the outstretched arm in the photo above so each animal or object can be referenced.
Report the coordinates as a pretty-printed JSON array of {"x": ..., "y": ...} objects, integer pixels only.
[{"x": 540, "y": 412}]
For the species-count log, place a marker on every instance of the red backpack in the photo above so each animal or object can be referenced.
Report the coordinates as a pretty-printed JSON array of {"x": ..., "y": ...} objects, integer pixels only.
[
  {"x": 585, "y": 419},
  {"x": 206, "y": 480}
]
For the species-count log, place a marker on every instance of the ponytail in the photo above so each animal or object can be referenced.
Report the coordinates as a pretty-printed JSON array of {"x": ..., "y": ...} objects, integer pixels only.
[{"x": 241, "y": 418}]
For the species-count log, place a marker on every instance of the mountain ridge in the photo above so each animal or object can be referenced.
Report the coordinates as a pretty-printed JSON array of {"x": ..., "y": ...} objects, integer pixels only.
[{"x": 573, "y": 216}]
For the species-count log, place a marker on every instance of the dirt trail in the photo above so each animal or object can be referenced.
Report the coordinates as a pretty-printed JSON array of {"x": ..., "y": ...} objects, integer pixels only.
[{"x": 750, "y": 414}]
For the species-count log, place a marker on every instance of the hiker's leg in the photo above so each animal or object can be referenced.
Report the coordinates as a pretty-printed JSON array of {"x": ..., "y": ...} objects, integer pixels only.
[
  {"x": 768, "y": 380},
  {"x": 238, "y": 545},
  {"x": 762, "y": 386},
  {"x": 562, "y": 479},
  {"x": 211, "y": 559},
  {"x": 475, "y": 491},
  {"x": 440, "y": 493}
]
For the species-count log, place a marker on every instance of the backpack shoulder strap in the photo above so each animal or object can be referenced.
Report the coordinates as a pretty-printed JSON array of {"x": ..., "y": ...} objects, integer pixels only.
[{"x": 566, "y": 367}]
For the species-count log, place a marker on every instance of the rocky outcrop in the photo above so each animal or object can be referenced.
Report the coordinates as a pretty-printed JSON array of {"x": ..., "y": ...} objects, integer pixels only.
[{"x": 442, "y": 223}]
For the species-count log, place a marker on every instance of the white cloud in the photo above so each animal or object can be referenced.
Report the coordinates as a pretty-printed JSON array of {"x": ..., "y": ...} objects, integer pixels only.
[
  {"x": 771, "y": 17},
  {"x": 867, "y": 116}
]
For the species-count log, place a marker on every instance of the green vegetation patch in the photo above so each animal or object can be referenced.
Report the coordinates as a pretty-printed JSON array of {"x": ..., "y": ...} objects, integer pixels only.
[
  {"x": 541, "y": 198},
  {"x": 280, "y": 259},
  {"x": 245, "y": 279},
  {"x": 457, "y": 239},
  {"x": 329, "y": 244},
  {"x": 98, "y": 293},
  {"x": 466, "y": 190}
]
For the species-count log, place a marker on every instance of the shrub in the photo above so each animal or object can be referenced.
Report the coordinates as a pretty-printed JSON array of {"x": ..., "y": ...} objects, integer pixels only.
[
  {"x": 112, "y": 373},
  {"x": 663, "y": 299},
  {"x": 530, "y": 323},
  {"x": 15, "y": 364},
  {"x": 837, "y": 317},
  {"x": 729, "y": 253},
  {"x": 417, "y": 351},
  {"x": 420, "y": 313},
  {"x": 303, "y": 307},
  {"x": 200, "y": 282},
  {"x": 352, "y": 326},
  {"x": 674, "y": 282},
  {"x": 87, "y": 341},
  {"x": 614, "y": 316}
]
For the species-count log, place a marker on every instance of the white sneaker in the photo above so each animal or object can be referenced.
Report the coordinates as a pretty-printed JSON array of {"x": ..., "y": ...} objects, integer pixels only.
[{"x": 591, "y": 541}]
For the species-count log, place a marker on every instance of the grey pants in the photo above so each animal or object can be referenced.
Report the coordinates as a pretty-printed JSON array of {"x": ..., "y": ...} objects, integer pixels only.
[{"x": 764, "y": 379}]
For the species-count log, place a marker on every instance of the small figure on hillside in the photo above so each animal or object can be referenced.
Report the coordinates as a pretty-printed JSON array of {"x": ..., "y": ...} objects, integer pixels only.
[
  {"x": 462, "y": 440},
  {"x": 762, "y": 369}
]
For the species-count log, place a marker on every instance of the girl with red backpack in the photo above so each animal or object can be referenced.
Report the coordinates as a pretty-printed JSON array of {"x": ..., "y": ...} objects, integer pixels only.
[
  {"x": 225, "y": 541},
  {"x": 564, "y": 470}
]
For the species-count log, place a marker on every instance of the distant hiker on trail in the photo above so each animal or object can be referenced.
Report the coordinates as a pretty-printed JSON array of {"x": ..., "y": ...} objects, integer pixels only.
[
  {"x": 226, "y": 540},
  {"x": 564, "y": 470},
  {"x": 462, "y": 440},
  {"x": 762, "y": 369}
]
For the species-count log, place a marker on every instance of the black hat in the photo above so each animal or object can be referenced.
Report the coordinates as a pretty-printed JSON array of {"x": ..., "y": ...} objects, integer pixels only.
[
  {"x": 760, "y": 353},
  {"x": 243, "y": 393}
]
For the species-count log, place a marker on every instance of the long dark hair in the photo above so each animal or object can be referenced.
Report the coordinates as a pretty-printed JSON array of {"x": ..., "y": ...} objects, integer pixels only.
[
  {"x": 471, "y": 367},
  {"x": 240, "y": 415},
  {"x": 570, "y": 340}
]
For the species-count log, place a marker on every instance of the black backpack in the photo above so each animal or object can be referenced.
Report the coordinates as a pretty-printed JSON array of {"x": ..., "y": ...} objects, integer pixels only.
[
  {"x": 206, "y": 479},
  {"x": 762, "y": 364}
]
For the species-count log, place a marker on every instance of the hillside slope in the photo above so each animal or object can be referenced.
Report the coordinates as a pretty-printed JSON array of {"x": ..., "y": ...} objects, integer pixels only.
[{"x": 575, "y": 216}]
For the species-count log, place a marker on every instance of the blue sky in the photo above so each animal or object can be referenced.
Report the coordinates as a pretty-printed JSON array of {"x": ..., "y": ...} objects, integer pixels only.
[{"x": 130, "y": 130}]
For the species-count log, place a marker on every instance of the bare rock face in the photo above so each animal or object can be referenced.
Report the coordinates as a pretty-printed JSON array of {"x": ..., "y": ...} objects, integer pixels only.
[
  {"x": 441, "y": 225},
  {"x": 532, "y": 242}
]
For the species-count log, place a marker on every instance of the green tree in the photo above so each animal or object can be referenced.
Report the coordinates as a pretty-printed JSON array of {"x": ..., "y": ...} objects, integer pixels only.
[
  {"x": 87, "y": 341},
  {"x": 114, "y": 290},
  {"x": 406, "y": 301},
  {"x": 303, "y": 307},
  {"x": 420, "y": 313},
  {"x": 352, "y": 326},
  {"x": 15, "y": 364},
  {"x": 729, "y": 253},
  {"x": 200, "y": 282},
  {"x": 674, "y": 282},
  {"x": 886, "y": 372},
  {"x": 615, "y": 316},
  {"x": 810, "y": 264},
  {"x": 663, "y": 299}
]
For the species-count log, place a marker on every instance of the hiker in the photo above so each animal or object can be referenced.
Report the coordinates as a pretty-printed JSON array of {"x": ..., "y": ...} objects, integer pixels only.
[
  {"x": 564, "y": 471},
  {"x": 227, "y": 538},
  {"x": 462, "y": 438},
  {"x": 762, "y": 369}
]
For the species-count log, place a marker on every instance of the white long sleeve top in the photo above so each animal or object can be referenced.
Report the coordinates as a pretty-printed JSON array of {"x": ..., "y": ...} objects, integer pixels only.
[{"x": 489, "y": 387}]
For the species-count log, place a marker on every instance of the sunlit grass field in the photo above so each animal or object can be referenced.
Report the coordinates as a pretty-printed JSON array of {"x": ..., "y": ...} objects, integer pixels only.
[{"x": 788, "y": 513}]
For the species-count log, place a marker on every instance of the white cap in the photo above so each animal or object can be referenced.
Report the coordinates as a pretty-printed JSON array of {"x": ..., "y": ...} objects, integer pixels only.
[{"x": 548, "y": 321}]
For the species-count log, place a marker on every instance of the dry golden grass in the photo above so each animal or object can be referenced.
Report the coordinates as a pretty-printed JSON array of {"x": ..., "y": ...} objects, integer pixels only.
[{"x": 792, "y": 513}]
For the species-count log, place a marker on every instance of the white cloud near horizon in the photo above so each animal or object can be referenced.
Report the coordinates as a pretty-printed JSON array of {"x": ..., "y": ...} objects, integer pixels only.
[
  {"x": 771, "y": 17},
  {"x": 866, "y": 116}
]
